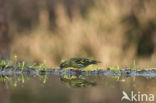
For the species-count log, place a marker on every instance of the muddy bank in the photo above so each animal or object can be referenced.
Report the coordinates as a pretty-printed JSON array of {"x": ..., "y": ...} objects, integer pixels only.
[{"x": 126, "y": 72}]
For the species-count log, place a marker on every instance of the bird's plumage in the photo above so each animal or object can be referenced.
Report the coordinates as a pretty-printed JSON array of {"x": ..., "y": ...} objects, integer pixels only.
[{"x": 77, "y": 62}]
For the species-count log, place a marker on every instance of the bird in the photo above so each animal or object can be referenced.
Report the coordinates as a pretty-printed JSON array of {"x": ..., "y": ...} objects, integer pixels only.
[{"x": 77, "y": 62}]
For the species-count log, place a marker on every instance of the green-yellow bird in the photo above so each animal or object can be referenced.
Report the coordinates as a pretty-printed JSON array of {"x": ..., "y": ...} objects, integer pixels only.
[{"x": 77, "y": 62}]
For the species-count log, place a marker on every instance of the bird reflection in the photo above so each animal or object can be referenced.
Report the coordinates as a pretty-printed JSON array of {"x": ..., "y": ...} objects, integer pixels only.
[{"x": 76, "y": 81}]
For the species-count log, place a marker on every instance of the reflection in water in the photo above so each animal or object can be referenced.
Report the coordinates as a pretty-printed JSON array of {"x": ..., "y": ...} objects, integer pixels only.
[
  {"x": 14, "y": 80},
  {"x": 54, "y": 88},
  {"x": 74, "y": 81}
]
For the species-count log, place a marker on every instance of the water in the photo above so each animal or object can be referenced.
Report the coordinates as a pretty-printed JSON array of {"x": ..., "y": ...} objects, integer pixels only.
[{"x": 73, "y": 88}]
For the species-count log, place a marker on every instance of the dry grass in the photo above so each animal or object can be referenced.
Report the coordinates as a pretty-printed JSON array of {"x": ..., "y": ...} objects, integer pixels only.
[{"x": 100, "y": 35}]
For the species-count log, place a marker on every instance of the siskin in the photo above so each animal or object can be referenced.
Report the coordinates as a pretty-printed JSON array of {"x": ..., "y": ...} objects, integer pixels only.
[{"x": 77, "y": 63}]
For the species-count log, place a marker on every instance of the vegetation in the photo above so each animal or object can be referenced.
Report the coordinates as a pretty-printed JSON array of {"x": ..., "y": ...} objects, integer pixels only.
[
  {"x": 14, "y": 64},
  {"x": 115, "y": 68},
  {"x": 76, "y": 80},
  {"x": 69, "y": 65},
  {"x": 107, "y": 31}
]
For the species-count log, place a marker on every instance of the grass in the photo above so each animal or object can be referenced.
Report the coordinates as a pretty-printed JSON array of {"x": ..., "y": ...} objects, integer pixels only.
[
  {"x": 67, "y": 79},
  {"x": 21, "y": 64},
  {"x": 106, "y": 32},
  {"x": 134, "y": 66},
  {"x": 114, "y": 68},
  {"x": 5, "y": 63}
]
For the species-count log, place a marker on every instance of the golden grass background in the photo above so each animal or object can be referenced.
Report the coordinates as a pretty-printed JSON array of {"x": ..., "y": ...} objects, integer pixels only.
[{"x": 107, "y": 30}]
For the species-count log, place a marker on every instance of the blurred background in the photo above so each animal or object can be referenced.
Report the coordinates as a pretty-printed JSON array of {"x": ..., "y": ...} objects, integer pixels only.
[{"x": 116, "y": 32}]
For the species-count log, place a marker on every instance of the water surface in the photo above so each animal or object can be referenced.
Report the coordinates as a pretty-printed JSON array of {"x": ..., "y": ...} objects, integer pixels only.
[{"x": 72, "y": 88}]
